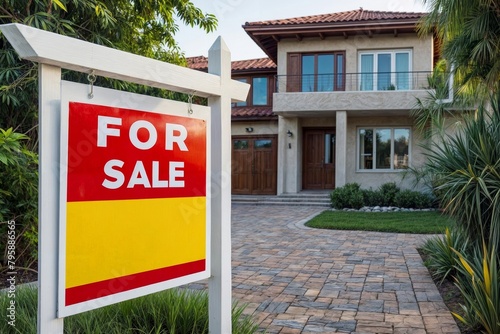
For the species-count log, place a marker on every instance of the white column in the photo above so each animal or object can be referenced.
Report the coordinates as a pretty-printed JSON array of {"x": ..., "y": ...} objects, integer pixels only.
[
  {"x": 295, "y": 156},
  {"x": 341, "y": 149},
  {"x": 219, "y": 63},
  {"x": 282, "y": 147},
  {"x": 49, "y": 113}
]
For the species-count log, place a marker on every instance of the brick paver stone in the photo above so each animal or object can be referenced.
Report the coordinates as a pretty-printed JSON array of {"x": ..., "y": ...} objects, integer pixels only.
[{"x": 302, "y": 280}]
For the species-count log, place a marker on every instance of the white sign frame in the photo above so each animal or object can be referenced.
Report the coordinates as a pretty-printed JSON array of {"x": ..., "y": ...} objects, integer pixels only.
[{"x": 74, "y": 92}]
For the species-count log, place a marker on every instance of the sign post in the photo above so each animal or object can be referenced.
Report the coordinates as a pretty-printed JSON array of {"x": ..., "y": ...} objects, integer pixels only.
[
  {"x": 54, "y": 52},
  {"x": 220, "y": 302},
  {"x": 49, "y": 81}
]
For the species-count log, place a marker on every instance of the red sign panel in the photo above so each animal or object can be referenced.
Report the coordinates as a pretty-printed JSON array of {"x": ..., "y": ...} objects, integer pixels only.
[{"x": 117, "y": 153}]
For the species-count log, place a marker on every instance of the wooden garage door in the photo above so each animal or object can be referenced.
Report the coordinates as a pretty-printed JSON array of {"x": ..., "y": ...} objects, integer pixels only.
[{"x": 254, "y": 161}]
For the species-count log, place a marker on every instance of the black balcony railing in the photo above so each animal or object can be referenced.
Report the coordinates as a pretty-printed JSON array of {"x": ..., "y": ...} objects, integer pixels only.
[{"x": 353, "y": 82}]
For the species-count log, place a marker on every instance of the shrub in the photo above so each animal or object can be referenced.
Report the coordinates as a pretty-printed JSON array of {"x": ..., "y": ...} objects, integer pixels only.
[
  {"x": 388, "y": 192},
  {"x": 18, "y": 196},
  {"x": 441, "y": 257},
  {"x": 352, "y": 196},
  {"x": 412, "y": 199},
  {"x": 372, "y": 197},
  {"x": 479, "y": 283},
  {"x": 466, "y": 171},
  {"x": 348, "y": 196}
]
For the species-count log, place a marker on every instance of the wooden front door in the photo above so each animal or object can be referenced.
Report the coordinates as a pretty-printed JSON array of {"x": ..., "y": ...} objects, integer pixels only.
[
  {"x": 254, "y": 165},
  {"x": 319, "y": 159}
]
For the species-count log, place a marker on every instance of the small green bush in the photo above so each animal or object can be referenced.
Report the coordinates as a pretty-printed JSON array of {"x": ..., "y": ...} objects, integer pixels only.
[
  {"x": 372, "y": 197},
  {"x": 412, "y": 199},
  {"x": 348, "y": 196},
  {"x": 388, "y": 192},
  {"x": 352, "y": 196}
]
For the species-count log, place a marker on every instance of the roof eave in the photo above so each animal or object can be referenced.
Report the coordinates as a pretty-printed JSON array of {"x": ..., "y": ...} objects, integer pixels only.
[
  {"x": 256, "y": 31},
  {"x": 335, "y": 26},
  {"x": 263, "y": 48}
]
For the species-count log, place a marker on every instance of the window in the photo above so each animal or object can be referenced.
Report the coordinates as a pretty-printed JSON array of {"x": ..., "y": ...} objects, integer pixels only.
[
  {"x": 329, "y": 148},
  {"x": 259, "y": 92},
  {"x": 259, "y": 95},
  {"x": 323, "y": 72},
  {"x": 385, "y": 70},
  {"x": 240, "y": 144},
  {"x": 262, "y": 143},
  {"x": 383, "y": 148}
]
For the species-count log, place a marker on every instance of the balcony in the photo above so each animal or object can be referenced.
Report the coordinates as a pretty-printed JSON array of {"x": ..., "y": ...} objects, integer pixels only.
[
  {"x": 387, "y": 93},
  {"x": 353, "y": 82}
]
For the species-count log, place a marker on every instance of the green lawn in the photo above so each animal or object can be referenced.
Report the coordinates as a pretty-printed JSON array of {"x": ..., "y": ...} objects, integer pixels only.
[{"x": 420, "y": 222}]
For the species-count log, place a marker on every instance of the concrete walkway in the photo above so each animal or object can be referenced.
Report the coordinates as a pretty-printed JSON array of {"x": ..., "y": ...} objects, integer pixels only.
[{"x": 301, "y": 280}]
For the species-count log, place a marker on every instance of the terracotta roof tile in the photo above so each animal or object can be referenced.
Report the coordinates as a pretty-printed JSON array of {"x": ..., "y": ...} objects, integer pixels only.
[
  {"x": 201, "y": 63},
  {"x": 253, "y": 64},
  {"x": 244, "y": 112},
  {"x": 349, "y": 16},
  {"x": 197, "y": 63}
]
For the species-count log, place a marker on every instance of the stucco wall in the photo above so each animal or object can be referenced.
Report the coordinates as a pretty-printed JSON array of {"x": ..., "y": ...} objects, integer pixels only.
[
  {"x": 349, "y": 101},
  {"x": 352, "y": 98},
  {"x": 422, "y": 48},
  {"x": 259, "y": 128},
  {"x": 290, "y": 156}
]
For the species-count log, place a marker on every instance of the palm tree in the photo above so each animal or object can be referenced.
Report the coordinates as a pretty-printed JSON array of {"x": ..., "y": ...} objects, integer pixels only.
[{"x": 470, "y": 35}]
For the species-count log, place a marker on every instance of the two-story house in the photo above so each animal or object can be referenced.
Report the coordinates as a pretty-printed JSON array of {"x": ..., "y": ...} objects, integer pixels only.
[{"x": 344, "y": 87}]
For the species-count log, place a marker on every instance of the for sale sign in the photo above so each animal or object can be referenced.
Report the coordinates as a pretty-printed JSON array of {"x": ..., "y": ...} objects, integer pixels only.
[{"x": 133, "y": 197}]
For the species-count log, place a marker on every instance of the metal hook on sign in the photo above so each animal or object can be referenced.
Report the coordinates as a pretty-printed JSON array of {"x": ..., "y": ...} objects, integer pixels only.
[
  {"x": 91, "y": 77},
  {"x": 190, "y": 103}
]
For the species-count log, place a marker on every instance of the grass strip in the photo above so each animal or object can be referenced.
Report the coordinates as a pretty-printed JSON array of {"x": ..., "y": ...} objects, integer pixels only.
[{"x": 417, "y": 222}]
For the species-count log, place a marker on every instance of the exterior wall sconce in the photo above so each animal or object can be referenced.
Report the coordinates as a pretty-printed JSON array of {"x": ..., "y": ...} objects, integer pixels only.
[
  {"x": 289, "y": 133},
  {"x": 249, "y": 129}
]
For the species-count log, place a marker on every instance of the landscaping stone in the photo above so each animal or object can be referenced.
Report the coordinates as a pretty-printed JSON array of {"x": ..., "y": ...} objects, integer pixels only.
[{"x": 384, "y": 209}]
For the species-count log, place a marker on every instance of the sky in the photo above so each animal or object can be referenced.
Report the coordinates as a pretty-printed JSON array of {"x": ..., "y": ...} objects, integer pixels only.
[{"x": 232, "y": 14}]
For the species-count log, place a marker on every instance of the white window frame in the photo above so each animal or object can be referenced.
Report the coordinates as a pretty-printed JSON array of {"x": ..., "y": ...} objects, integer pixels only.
[
  {"x": 383, "y": 170},
  {"x": 393, "y": 53}
]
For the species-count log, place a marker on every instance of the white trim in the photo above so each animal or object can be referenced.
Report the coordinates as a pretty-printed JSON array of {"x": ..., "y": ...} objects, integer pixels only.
[{"x": 451, "y": 89}]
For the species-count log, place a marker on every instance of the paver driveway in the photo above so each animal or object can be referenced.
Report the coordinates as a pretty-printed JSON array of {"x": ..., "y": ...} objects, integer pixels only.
[{"x": 301, "y": 280}]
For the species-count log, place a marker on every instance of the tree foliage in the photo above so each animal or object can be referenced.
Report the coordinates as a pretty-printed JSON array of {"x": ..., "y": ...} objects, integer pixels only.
[
  {"x": 142, "y": 27},
  {"x": 18, "y": 196},
  {"x": 470, "y": 33},
  {"x": 466, "y": 170}
]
